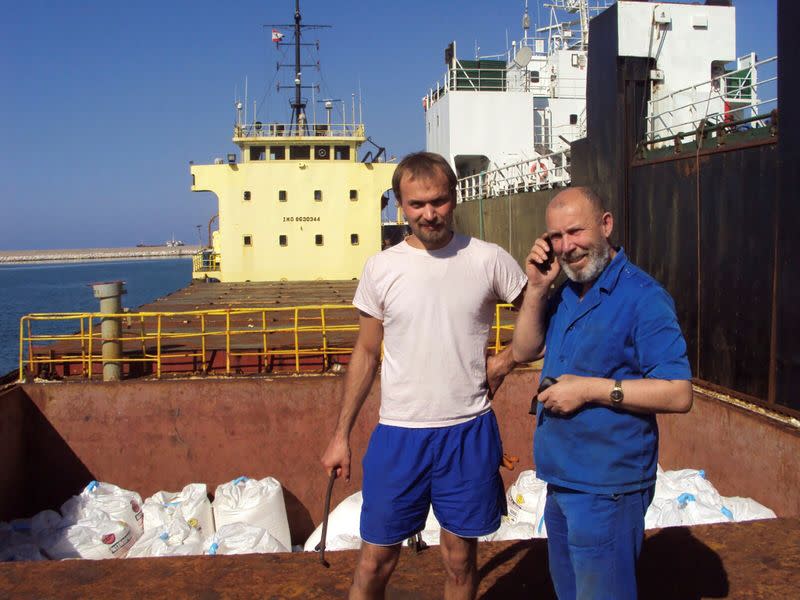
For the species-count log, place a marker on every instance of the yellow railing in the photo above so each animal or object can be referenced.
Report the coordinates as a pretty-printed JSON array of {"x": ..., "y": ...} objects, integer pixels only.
[
  {"x": 206, "y": 261},
  {"x": 320, "y": 332}
]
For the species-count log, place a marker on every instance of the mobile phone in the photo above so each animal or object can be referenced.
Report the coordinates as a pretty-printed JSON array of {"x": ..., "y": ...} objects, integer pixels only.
[
  {"x": 545, "y": 266},
  {"x": 543, "y": 385}
]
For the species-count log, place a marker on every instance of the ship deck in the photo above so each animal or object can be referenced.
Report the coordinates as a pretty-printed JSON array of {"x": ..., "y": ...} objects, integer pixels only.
[
  {"x": 221, "y": 329},
  {"x": 734, "y": 560}
]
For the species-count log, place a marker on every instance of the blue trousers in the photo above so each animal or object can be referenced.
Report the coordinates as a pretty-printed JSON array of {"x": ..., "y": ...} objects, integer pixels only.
[{"x": 594, "y": 541}]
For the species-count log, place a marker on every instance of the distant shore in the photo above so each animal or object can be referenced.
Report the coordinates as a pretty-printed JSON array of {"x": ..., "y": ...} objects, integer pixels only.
[{"x": 16, "y": 257}]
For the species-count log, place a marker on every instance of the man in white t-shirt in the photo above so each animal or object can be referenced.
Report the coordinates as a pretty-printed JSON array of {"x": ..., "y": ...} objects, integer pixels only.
[{"x": 430, "y": 300}]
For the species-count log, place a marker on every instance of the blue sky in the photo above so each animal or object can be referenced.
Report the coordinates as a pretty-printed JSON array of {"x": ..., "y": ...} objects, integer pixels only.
[{"x": 104, "y": 103}]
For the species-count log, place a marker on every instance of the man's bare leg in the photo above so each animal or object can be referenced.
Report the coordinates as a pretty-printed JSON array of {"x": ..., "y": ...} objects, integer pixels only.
[
  {"x": 375, "y": 565},
  {"x": 460, "y": 557}
]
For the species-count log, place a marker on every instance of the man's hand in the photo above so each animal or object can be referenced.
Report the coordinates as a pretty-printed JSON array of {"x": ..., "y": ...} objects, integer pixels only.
[
  {"x": 541, "y": 267},
  {"x": 337, "y": 457},
  {"x": 568, "y": 395},
  {"x": 495, "y": 373}
]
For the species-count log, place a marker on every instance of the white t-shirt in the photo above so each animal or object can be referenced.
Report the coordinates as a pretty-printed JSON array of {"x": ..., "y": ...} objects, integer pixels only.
[{"x": 437, "y": 309}]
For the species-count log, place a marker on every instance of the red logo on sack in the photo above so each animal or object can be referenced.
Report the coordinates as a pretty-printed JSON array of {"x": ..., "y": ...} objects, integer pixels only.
[
  {"x": 135, "y": 506},
  {"x": 108, "y": 538}
]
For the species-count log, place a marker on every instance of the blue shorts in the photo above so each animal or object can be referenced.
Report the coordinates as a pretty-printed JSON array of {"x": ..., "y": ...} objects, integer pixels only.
[{"x": 455, "y": 469}]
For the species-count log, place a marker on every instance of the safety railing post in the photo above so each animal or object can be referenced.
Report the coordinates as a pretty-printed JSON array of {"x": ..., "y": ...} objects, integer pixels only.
[
  {"x": 91, "y": 349},
  {"x": 143, "y": 333},
  {"x": 30, "y": 349},
  {"x": 83, "y": 348},
  {"x": 296, "y": 341},
  {"x": 264, "y": 336},
  {"x": 203, "y": 342},
  {"x": 497, "y": 328},
  {"x": 325, "y": 362},
  {"x": 228, "y": 341},
  {"x": 158, "y": 346},
  {"x": 21, "y": 348}
]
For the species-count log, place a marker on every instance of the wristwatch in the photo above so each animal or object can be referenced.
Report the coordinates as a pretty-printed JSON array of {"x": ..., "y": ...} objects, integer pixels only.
[{"x": 616, "y": 394}]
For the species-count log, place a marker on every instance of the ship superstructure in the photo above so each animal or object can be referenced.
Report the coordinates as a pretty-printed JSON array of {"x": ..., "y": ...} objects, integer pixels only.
[
  {"x": 506, "y": 122},
  {"x": 528, "y": 102},
  {"x": 295, "y": 203}
]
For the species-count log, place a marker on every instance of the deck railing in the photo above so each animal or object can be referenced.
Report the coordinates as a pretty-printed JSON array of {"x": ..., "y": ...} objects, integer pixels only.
[
  {"x": 729, "y": 98},
  {"x": 295, "y": 334},
  {"x": 530, "y": 175},
  {"x": 206, "y": 261},
  {"x": 256, "y": 130}
]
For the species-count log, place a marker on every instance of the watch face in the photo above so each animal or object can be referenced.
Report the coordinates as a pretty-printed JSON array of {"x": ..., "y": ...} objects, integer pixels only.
[{"x": 616, "y": 395}]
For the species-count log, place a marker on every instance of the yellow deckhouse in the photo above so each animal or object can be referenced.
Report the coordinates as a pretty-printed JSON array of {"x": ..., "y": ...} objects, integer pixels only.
[
  {"x": 298, "y": 207},
  {"x": 296, "y": 203}
]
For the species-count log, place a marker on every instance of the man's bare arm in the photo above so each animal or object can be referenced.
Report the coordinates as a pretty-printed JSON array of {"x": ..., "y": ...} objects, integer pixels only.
[
  {"x": 358, "y": 380},
  {"x": 640, "y": 395}
]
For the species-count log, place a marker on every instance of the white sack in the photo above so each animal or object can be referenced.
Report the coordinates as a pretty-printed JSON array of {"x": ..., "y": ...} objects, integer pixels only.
[
  {"x": 240, "y": 538},
  {"x": 119, "y": 504},
  {"x": 344, "y": 526},
  {"x": 191, "y": 505},
  {"x": 521, "y": 530},
  {"x": 95, "y": 537},
  {"x": 177, "y": 539},
  {"x": 431, "y": 535},
  {"x": 746, "y": 509},
  {"x": 254, "y": 502},
  {"x": 526, "y": 498}
]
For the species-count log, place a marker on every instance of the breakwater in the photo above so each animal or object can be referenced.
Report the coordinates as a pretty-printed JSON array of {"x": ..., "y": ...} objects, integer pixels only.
[{"x": 91, "y": 254}]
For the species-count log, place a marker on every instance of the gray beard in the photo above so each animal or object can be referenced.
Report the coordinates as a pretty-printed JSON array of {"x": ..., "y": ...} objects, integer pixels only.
[{"x": 598, "y": 259}]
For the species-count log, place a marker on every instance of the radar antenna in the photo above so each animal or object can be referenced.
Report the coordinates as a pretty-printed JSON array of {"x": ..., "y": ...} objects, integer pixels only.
[{"x": 299, "y": 119}]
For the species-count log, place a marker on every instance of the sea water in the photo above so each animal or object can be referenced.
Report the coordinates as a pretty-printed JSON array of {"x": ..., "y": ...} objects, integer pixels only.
[{"x": 66, "y": 287}]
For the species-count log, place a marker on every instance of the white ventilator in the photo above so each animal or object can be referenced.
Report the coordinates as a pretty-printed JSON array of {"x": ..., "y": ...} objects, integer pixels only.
[{"x": 254, "y": 502}]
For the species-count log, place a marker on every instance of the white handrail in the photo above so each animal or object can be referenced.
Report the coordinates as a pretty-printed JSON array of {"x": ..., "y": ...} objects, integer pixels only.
[
  {"x": 529, "y": 175},
  {"x": 724, "y": 98}
]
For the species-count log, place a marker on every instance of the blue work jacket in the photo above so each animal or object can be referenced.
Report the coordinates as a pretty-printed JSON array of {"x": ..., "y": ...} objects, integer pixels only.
[{"x": 625, "y": 327}]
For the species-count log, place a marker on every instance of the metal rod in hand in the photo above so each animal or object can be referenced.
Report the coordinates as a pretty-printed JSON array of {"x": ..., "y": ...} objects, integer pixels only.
[{"x": 322, "y": 560}]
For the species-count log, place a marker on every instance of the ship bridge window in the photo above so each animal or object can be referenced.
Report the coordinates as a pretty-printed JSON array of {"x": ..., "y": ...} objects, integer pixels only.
[
  {"x": 258, "y": 152},
  {"x": 282, "y": 240},
  {"x": 322, "y": 152},
  {"x": 353, "y": 195},
  {"x": 534, "y": 76},
  {"x": 573, "y": 119},
  {"x": 354, "y": 239},
  {"x": 574, "y": 60},
  {"x": 281, "y": 195},
  {"x": 318, "y": 195},
  {"x": 277, "y": 152},
  {"x": 318, "y": 240},
  {"x": 341, "y": 152},
  {"x": 247, "y": 240},
  {"x": 299, "y": 152}
]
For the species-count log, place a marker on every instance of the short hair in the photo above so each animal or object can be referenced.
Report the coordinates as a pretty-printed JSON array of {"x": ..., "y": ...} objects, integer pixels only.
[
  {"x": 594, "y": 199},
  {"x": 426, "y": 165}
]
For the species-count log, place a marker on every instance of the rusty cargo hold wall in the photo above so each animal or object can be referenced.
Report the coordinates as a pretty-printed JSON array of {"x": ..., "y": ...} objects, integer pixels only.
[
  {"x": 703, "y": 223},
  {"x": 785, "y": 363}
]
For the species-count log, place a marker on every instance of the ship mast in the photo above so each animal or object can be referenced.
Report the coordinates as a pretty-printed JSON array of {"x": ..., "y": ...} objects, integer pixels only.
[{"x": 299, "y": 117}]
